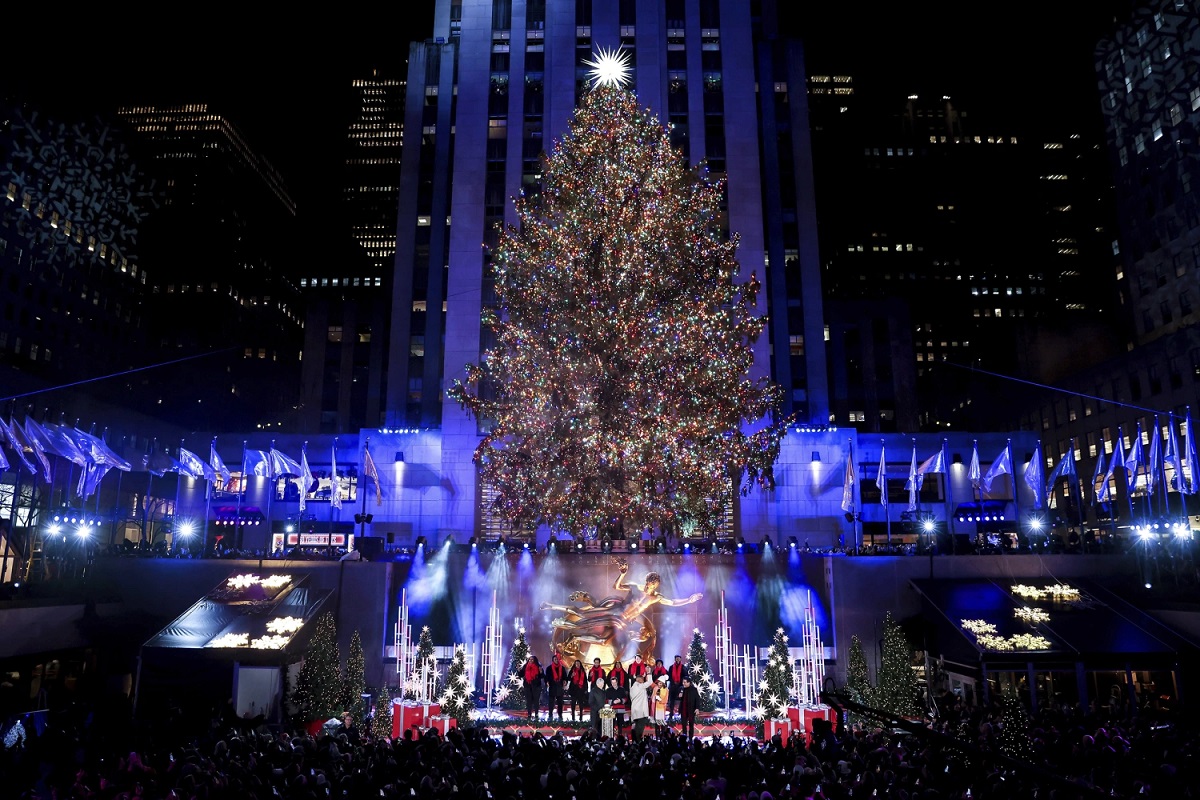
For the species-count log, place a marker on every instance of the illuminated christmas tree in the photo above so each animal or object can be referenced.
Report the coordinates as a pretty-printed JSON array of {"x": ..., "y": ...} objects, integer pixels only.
[
  {"x": 858, "y": 678},
  {"x": 618, "y": 389},
  {"x": 702, "y": 677},
  {"x": 318, "y": 688},
  {"x": 422, "y": 684},
  {"x": 896, "y": 687},
  {"x": 354, "y": 682},
  {"x": 511, "y": 693},
  {"x": 1014, "y": 738},
  {"x": 456, "y": 696},
  {"x": 776, "y": 683},
  {"x": 381, "y": 723}
]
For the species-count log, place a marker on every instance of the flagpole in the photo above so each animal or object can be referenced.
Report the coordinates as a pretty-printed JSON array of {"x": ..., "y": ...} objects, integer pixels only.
[
  {"x": 1012, "y": 479},
  {"x": 272, "y": 482},
  {"x": 1129, "y": 490},
  {"x": 1075, "y": 492},
  {"x": 333, "y": 485},
  {"x": 208, "y": 493},
  {"x": 362, "y": 516},
  {"x": 149, "y": 486},
  {"x": 857, "y": 502},
  {"x": 12, "y": 519},
  {"x": 117, "y": 497},
  {"x": 237, "y": 531},
  {"x": 887, "y": 506},
  {"x": 949, "y": 507},
  {"x": 175, "y": 509}
]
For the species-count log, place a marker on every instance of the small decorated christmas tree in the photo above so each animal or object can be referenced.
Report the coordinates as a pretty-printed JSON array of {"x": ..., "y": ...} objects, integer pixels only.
[
  {"x": 858, "y": 678},
  {"x": 1014, "y": 738},
  {"x": 455, "y": 699},
  {"x": 354, "y": 682},
  {"x": 776, "y": 683},
  {"x": 896, "y": 688},
  {"x": 512, "y": 693},
  {"x": 422, "y": 684},
  {"x": 381, "y": 723},
  {"x": 702, "y": 677},
  {"x": 318, "y": 688}
]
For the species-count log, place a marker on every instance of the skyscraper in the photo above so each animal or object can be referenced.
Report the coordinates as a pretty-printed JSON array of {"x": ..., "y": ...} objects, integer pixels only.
[
  {"x": 346, "y": 293},
  {"x": 72, "y": 203},
  {"x": 224, "y": 241},
  {"x": 495, "y": 86},
  {"x": 986, "y": 228}
]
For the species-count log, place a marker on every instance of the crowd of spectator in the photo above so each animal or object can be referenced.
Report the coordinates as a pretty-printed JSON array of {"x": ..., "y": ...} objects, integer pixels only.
[{"x": 961, "y": 754}]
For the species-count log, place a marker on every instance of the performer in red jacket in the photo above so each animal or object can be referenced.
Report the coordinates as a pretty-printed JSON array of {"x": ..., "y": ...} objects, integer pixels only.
[
  {"x": 556, "y": 682},
  {"x": 579, "y": 689},
  {"x": 531, "y": 678},
  {"x": 659, "y": 670},
  {"x": 638, "y": 668},
  {"x": 675, "y": 675}
]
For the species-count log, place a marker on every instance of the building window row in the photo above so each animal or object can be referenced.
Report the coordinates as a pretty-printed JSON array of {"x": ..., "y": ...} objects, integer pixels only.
[{"x": 342, "y": 282}]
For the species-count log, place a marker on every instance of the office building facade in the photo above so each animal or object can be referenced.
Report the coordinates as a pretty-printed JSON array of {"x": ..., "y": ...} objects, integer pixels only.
[{"x": 495, "y": 86}]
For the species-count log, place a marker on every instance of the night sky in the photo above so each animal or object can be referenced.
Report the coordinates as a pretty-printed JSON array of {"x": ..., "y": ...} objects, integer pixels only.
[{"x": 278, "y": 76}]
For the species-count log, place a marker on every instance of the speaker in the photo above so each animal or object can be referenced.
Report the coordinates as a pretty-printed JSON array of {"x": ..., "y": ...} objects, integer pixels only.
[
  {"x": 391, "y": 537},
  {"x": 371, "y": 547}
]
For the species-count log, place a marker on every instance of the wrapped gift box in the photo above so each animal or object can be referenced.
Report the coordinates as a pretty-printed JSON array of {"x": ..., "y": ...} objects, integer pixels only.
[
  {"x": 782, "y": 727},
  {"x": 443, "y": 724},
  {"x": 815, "y": 712},
  {"x": 412, "y": 715}
]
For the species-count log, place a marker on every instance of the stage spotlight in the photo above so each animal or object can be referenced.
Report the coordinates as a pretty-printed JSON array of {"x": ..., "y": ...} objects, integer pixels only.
[
  {"x": 57, "y": 518},
  {"x": 552, "y": 546},
  {"x": 449, "y": 541},
  {"x": 525, "y": 546},
  {"x": 928, "y": 525},
  {"x": 56, "y": 528},
  {"x": 633, "y": 545},
  {"x": 579, "y": 546},
  {"x": 687, "y": 547},
  {"x": 421, "y": 542},
  {"x": 186, "y": 529},
  {"x": 792, "y": 543},
  {"x": 474, "y": 544},
  {"x": 606, "y": 545}
]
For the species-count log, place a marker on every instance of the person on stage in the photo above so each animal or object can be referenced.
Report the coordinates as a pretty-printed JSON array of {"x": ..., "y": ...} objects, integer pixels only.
[
  {"x": 638, "y": 668},
  {"x": 531, "y": 679},
  {"x": 578, "y": 680},
  {"x": 675, "y": 675},
  {"x": 658, "y": 671},
  {"x": 596, "y": 672},
  {"x": 658, "y": 705},
  {"x": 639, "y": 703},
  {"x": 556, "y": 683},
  {"x": 689, "y": 703},
  {"x": 597, "y": 697},
  {"x": 618, "y": 684}
]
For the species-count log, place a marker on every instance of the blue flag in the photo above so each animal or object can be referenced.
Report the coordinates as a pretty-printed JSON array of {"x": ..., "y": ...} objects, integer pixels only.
[
  {"x": 1001, "y": 465},
  {"x": 1155, "y": 460},
  {"x": 194, "y": 466},
  {"x": 973, "y": 473},
  {"x": 1171, "y": 457},
  {"x": 1034, "y": 473},
  {"x": 881, "y": 476},
  {"x": 1189, "y": 456},
  {"x": 9, "y": 435},
  {"x": 914, "y": 481},
  {"x": 1103, "y": 490},
  {"x": 306, "y": 478},
  {"x": 214, "y": 461},
  {"x": 335, "y": 490},
  {"x": 1064, "y": 469},
  {"x": 1133, "y": 461}
]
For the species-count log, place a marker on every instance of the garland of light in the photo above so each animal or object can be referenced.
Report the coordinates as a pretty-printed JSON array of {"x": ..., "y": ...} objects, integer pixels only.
[
  {"x": 987, "y": 638},
  {"x": 1058, "y": 591}
]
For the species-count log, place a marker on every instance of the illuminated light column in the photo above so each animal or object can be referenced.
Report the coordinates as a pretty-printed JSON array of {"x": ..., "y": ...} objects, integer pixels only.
[{"x": 493, "y": 649}]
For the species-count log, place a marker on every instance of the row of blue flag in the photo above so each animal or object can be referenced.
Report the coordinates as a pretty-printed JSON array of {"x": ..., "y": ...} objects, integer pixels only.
[
  {"x": 1141, "y": 469},
  {"x": 34, "y": 442}
]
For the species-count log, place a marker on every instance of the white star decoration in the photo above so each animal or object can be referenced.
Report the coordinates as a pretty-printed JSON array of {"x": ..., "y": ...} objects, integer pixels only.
[
  {"x": 514, "y": 679},
  {"x": 609, "y": 68}
]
